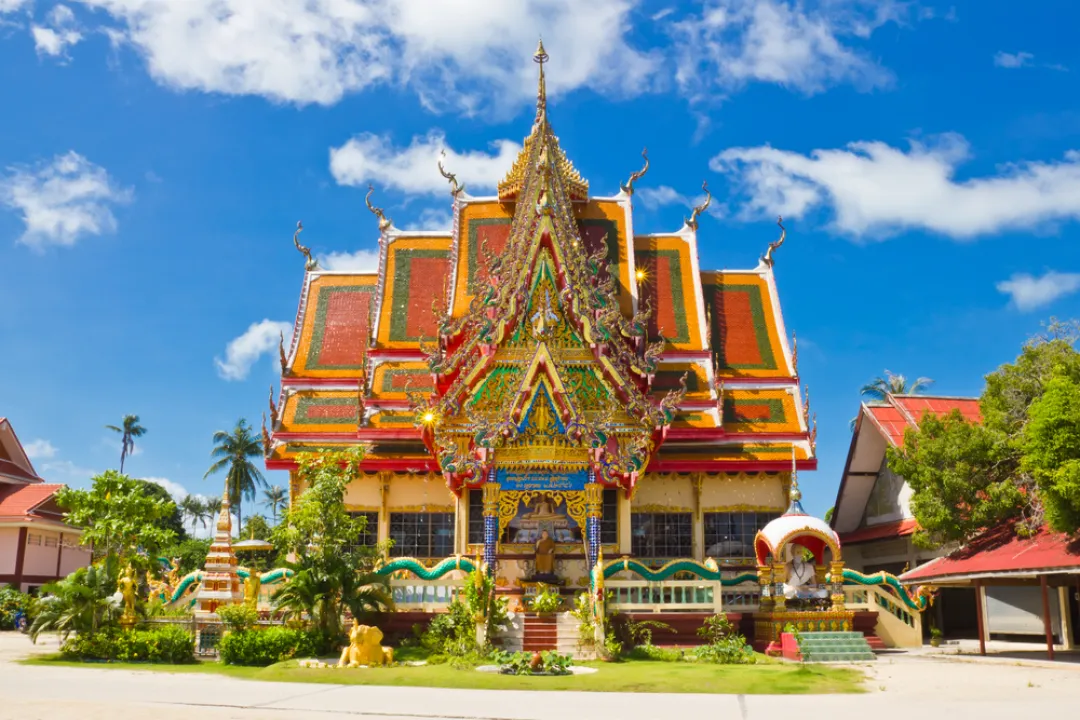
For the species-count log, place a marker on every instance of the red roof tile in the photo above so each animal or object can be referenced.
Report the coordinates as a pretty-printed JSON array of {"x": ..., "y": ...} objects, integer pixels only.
[
  {"x": 892, "y": 422},
  {"x": 1001, "y": 551},
  {"x": 899, "y": 528},
  {"x": 908, "y": 410},
  {"x": 21, "y": 503}
]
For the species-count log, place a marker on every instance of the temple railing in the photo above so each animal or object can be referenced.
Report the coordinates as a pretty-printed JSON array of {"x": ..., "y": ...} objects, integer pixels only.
[
  {"x": 664, "y": 595},
  {"x": 421, "y": 595},
  {"x": 745, "y": 597},
  {"x": 896, "y": 625}
]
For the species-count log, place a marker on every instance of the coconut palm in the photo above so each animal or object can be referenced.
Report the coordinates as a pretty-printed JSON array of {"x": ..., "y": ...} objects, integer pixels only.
[
  {"x": 83, "y": 602},
  {"x": 892, "y": 384},
  {"x": 211, "y": 509},
  {"x": 276, "y": 498},
  {"x": 233, "y": 450},
  {"x": 194, "y": 510},
  {"x": 129, "y": 429}
]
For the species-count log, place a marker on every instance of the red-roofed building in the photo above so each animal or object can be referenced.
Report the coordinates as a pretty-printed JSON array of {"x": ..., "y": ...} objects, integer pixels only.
[{"x": 36, "y": 546}]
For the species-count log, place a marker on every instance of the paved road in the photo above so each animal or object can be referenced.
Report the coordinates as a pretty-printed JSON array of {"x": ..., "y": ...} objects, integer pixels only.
[{"x": 899, "y": 688}]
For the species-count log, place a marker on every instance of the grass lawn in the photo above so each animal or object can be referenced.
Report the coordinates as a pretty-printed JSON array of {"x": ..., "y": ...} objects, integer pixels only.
[{"x": 629, "y": 676}]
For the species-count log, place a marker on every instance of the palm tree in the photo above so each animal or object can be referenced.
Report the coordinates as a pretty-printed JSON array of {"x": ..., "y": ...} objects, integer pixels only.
[
  {"x": 232, "y": 450},
  {"x": 129, "y": 429},
  {"x": 892, "y": 384},
  {"x": 211, "y": 509},
  {"x": 194, "y": 510},
  {"x": 81, "y": 603},
  {"x": 276, "y": 498}
]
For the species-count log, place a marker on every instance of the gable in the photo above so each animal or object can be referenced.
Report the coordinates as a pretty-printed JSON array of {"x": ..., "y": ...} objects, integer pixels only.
[
  {"x": 335, "y": 325},
  {"x": 672, "y": 288},
  {"x": 745, "y": 327},
  {"x": 417, "y": 275}
]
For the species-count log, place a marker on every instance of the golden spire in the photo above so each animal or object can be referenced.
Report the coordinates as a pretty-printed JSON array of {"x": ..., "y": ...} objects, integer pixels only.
[
  {"x": 540, "y": 57},
  {"x": 774, "y": 246},
  {"x": 692, "y": 222},
  {"x": 384, "y": 222},
  {"x": 628, "y": 186}
]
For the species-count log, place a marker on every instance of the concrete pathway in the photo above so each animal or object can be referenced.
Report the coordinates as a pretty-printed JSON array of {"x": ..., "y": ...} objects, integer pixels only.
[{"x": 899, "y": 686}]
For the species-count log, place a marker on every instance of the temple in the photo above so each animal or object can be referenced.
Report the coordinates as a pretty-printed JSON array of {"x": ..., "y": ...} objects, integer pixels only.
[{"x": 542, "y": 372}]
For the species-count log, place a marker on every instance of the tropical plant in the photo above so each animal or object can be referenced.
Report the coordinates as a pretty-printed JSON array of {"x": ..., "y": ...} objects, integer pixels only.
[
  {"x": 276, "y": 498},
  {"x": 194, "y": 511},
  {"x": 129, "y": 429},
  {"x": 893, "y": 384},
  {"x": 233, "y": 452},
  {"x": 484, "y": 604},
  {"x": 213, "y": 509},
  {"x": 256, "y": 527},
  {"x": 168, "y": 644},
  {"x": 11, "y": 602},
  {"x": 84, "y": 602},
  {"x": 333, "y": 571},
  {"x": 724, "y": 644},
  {"x": 191, "y": 554},
  {"x": 548, "y": 600},
  {"x": 118, "y": 516},
  {"x": 1021, "y": 464},
  {"x": 548, "y": 662},
  {"x": 265, "y": 647}
]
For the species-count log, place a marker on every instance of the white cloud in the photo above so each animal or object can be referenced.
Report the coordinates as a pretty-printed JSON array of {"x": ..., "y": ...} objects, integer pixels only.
[
  {"x": 369, "y": 158},
  {"x": 652, "y": 198},
  {"x": 873, "y": 188},
  {"x": 66, "y": 472},
  {"x": 62, "y": 200},
  {"x": 60, "y": 32},
  {"x": 7, "y": 6},
  {"x": 432, "y": 219},
  {"x": 359, "y": 261},
  {"x": 1013, "y": 60},
  {"x": 176, "y": 490},
  {"x": 734, "y": 42},
  {"x": 244, "y": 351},
  {"x": 1028, "y": 293},
  {"x": 456, "y": 54},
  {"x": 39, "y": 449}
]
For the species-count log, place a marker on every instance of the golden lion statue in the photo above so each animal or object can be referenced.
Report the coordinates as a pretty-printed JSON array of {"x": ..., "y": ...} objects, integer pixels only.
[{"x": 364, "y": 647}]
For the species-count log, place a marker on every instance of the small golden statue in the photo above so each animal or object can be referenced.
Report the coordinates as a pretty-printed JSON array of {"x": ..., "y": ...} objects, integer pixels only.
[
  {"x": 251, "y": 590},
  {"x": 365, "y": 648},
  {"x": 127, "y": 585}
]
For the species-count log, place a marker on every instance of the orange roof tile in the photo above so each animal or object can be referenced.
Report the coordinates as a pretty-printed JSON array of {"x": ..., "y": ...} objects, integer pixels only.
[{"x": 21, "y": 502}]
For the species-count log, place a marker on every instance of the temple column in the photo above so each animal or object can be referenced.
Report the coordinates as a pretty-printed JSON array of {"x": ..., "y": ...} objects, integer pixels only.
[
  {"x": 383, "y": 533},
  {"x": 594, "y": 510},
  {"x": 491, "y": 522},
  {"x": 779, "y": 577},
  {"x": 625, "y": 523},
  {"x": 836, "y": 576},
  {"x": 698, "y": 528}
]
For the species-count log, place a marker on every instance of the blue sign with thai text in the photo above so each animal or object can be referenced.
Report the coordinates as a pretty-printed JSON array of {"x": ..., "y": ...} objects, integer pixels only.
[{"x": 548, "y": 481}]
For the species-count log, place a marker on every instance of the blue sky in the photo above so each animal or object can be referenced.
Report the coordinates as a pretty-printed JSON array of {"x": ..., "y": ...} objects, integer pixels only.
[{"x": 155, "y": 156}]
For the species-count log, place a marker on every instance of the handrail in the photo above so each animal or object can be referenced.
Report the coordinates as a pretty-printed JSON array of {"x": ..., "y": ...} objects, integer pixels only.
[
  {"x": 707, "y": 570},
  {"x": 414, "y": 566},
  {"x": 917, "y": 602}
]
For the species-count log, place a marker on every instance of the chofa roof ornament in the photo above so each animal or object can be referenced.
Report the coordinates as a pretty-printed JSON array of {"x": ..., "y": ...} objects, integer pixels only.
[
  {"x": 628, "y": 186},
  {"x": 692, "y": 222},
  {"x": 309, "y": 262},
  {"x": 774, "y": 246},
  {"x": 385, "y": 223}
]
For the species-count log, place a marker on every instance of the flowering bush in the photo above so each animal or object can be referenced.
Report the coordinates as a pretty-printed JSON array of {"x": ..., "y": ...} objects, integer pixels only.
[
  {"x": 168, "y": 644},
  {"x": 11, "y": 601},
  {"x": 265, "y": 647}
]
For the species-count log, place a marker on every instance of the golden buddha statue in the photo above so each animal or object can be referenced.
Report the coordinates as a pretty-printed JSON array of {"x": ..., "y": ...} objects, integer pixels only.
[{"x": 545, "y": 555}]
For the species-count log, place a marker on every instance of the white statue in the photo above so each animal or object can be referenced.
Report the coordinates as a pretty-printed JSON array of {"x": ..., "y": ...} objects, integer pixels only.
[{"x": 801, "y": 581}]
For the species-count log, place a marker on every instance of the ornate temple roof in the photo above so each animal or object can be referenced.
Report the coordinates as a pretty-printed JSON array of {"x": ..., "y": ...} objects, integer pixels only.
[{"x": 366, "y": 346}]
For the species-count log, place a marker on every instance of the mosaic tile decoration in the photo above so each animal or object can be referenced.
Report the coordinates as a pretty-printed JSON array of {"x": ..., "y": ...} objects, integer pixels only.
[
  {"x": 744, "y": 326},
  {"x": 760, "y": 411},
  {"x": 391, "y": 380},
  {"x": 336, "y": 326},
  {"x": 416, "y": 272},
  {"x": 320, "y": 411}
]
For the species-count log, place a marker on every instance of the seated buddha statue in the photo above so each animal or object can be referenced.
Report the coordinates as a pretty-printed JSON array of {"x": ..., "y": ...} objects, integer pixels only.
[{"x": 801, "y": 581}]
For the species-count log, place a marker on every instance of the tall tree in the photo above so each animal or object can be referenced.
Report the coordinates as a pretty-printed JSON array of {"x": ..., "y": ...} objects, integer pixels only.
[
  {"x": 275, "y": 498},
  {"x": 194, "y": 511},
  {"x": 129, "y": 429},
  {"x": 893, "y": 384},
  {"x": 173, "y": 521},
  {"x": 118, "y": 516},
  {"x": 1021, "y": 464},
  {"x": 234, "y": 451}
]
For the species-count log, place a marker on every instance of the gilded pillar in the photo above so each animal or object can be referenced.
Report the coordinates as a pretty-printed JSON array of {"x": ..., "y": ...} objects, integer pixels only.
[
  {"x": 491, "y": 522},
  {"x": 698, "y": 529},
  {"x": 779, "y": 577},
  {"x": 765, "y": 581},
  {"x": 594, "y": 511},
  {"x": 384, "y": 506},
  {"x": 836, "y": 578}
]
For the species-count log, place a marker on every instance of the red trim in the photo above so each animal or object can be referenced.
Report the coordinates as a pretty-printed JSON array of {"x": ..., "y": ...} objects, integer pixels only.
[
  {"x": 729, "y": 465},
  {"x": 899, "y": 528},
  {"x": 59, "y": 553},
  {"x": 405, "y": 465},
  {"x": 397, "y": 353},
  {"x": 684, "y": 433},
  {"x": 294, "y": 381},
  {"x": 389, "y": 434},
  {"x": 367, "y": 433},
  {"x": 18, "y": 580}
]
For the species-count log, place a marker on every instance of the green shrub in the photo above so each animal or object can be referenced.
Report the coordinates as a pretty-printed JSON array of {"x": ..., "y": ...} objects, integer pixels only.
[
  {"x": 238, "y": 617},
  {"x": 452, "y": 633},
  {"x": 12, "y": 600},
  {"x": 724, "y": 644},
  {"x": 520, "y": 663},
  {"x": 167, "y": 644},
  {"x": 546, "y": 601},
  {"x": 265, "y": 647}
]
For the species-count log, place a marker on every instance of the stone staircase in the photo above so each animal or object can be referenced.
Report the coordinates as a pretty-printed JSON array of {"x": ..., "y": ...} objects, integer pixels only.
[
  {"x": 835, "y": 647},
  {"x": 541, "y": 632}
]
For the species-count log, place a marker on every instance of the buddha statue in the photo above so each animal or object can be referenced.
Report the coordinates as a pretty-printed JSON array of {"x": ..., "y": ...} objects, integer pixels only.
[
  {"x": 545, "y": 556},
  {"x": 800, "y": 583}
]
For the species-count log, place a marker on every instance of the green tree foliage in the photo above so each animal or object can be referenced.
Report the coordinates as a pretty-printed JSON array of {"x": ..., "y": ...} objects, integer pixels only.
[
  {"x": 893, "y": 384},
  {"x": 84, "y": 602},
  {"x": 129, "y": 429},
  {"x": 1021, "y": 464},
  {"x": 193, "y": 509},
  {"x": 118, "y": 516},
  {"x": 256, "y": 527},
  {"x": 333, "y": 572},
  {"x": 276, "y": 498},
  {"x": 191, "y": 552},
  {"x": 173, "y": 521},
  {"x": 233, "y": 452}
]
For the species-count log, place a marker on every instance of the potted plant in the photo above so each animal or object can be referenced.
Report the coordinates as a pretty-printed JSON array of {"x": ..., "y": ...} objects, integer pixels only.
[
  {"x": 935, "y": 637},
  {"x": 547, "y": 601}
]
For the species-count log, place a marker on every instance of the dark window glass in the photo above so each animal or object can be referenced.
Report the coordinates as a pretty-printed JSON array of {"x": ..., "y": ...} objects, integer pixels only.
[
  {"x": 422, "y": 535},
  {"x": 476, "y": 516},
  {"x": 731, "y": 535},
  {"x": 661, "y": 535},
  {"x": 609, "y": 521},
  {"x": 370, "y": 536}
]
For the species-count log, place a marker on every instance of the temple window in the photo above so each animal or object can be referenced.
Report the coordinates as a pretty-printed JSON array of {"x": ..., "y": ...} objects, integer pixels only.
[
  {"x": 661, "y": 536},
  {"x": 609, "y": 520},
  {"x": 370, "y": 536},
  {"x": 476, "y": 516},
  {"x": 422, "y": 534},
  {"x": 731, "y": 534}
]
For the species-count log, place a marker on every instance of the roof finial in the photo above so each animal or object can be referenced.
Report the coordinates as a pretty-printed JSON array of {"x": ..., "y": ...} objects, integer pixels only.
[
  {"x": 795, "y": 507},
  {"x": 773, "y": 246},
  {"x": 384, "y": 222},
  {"x": 540, "y": 57},
  {"x": 692, "y": 222},
  {"x": 628, "y": 186},
  {"x": 309, "y": 262},
  {"x": 455, "y": 189}
]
